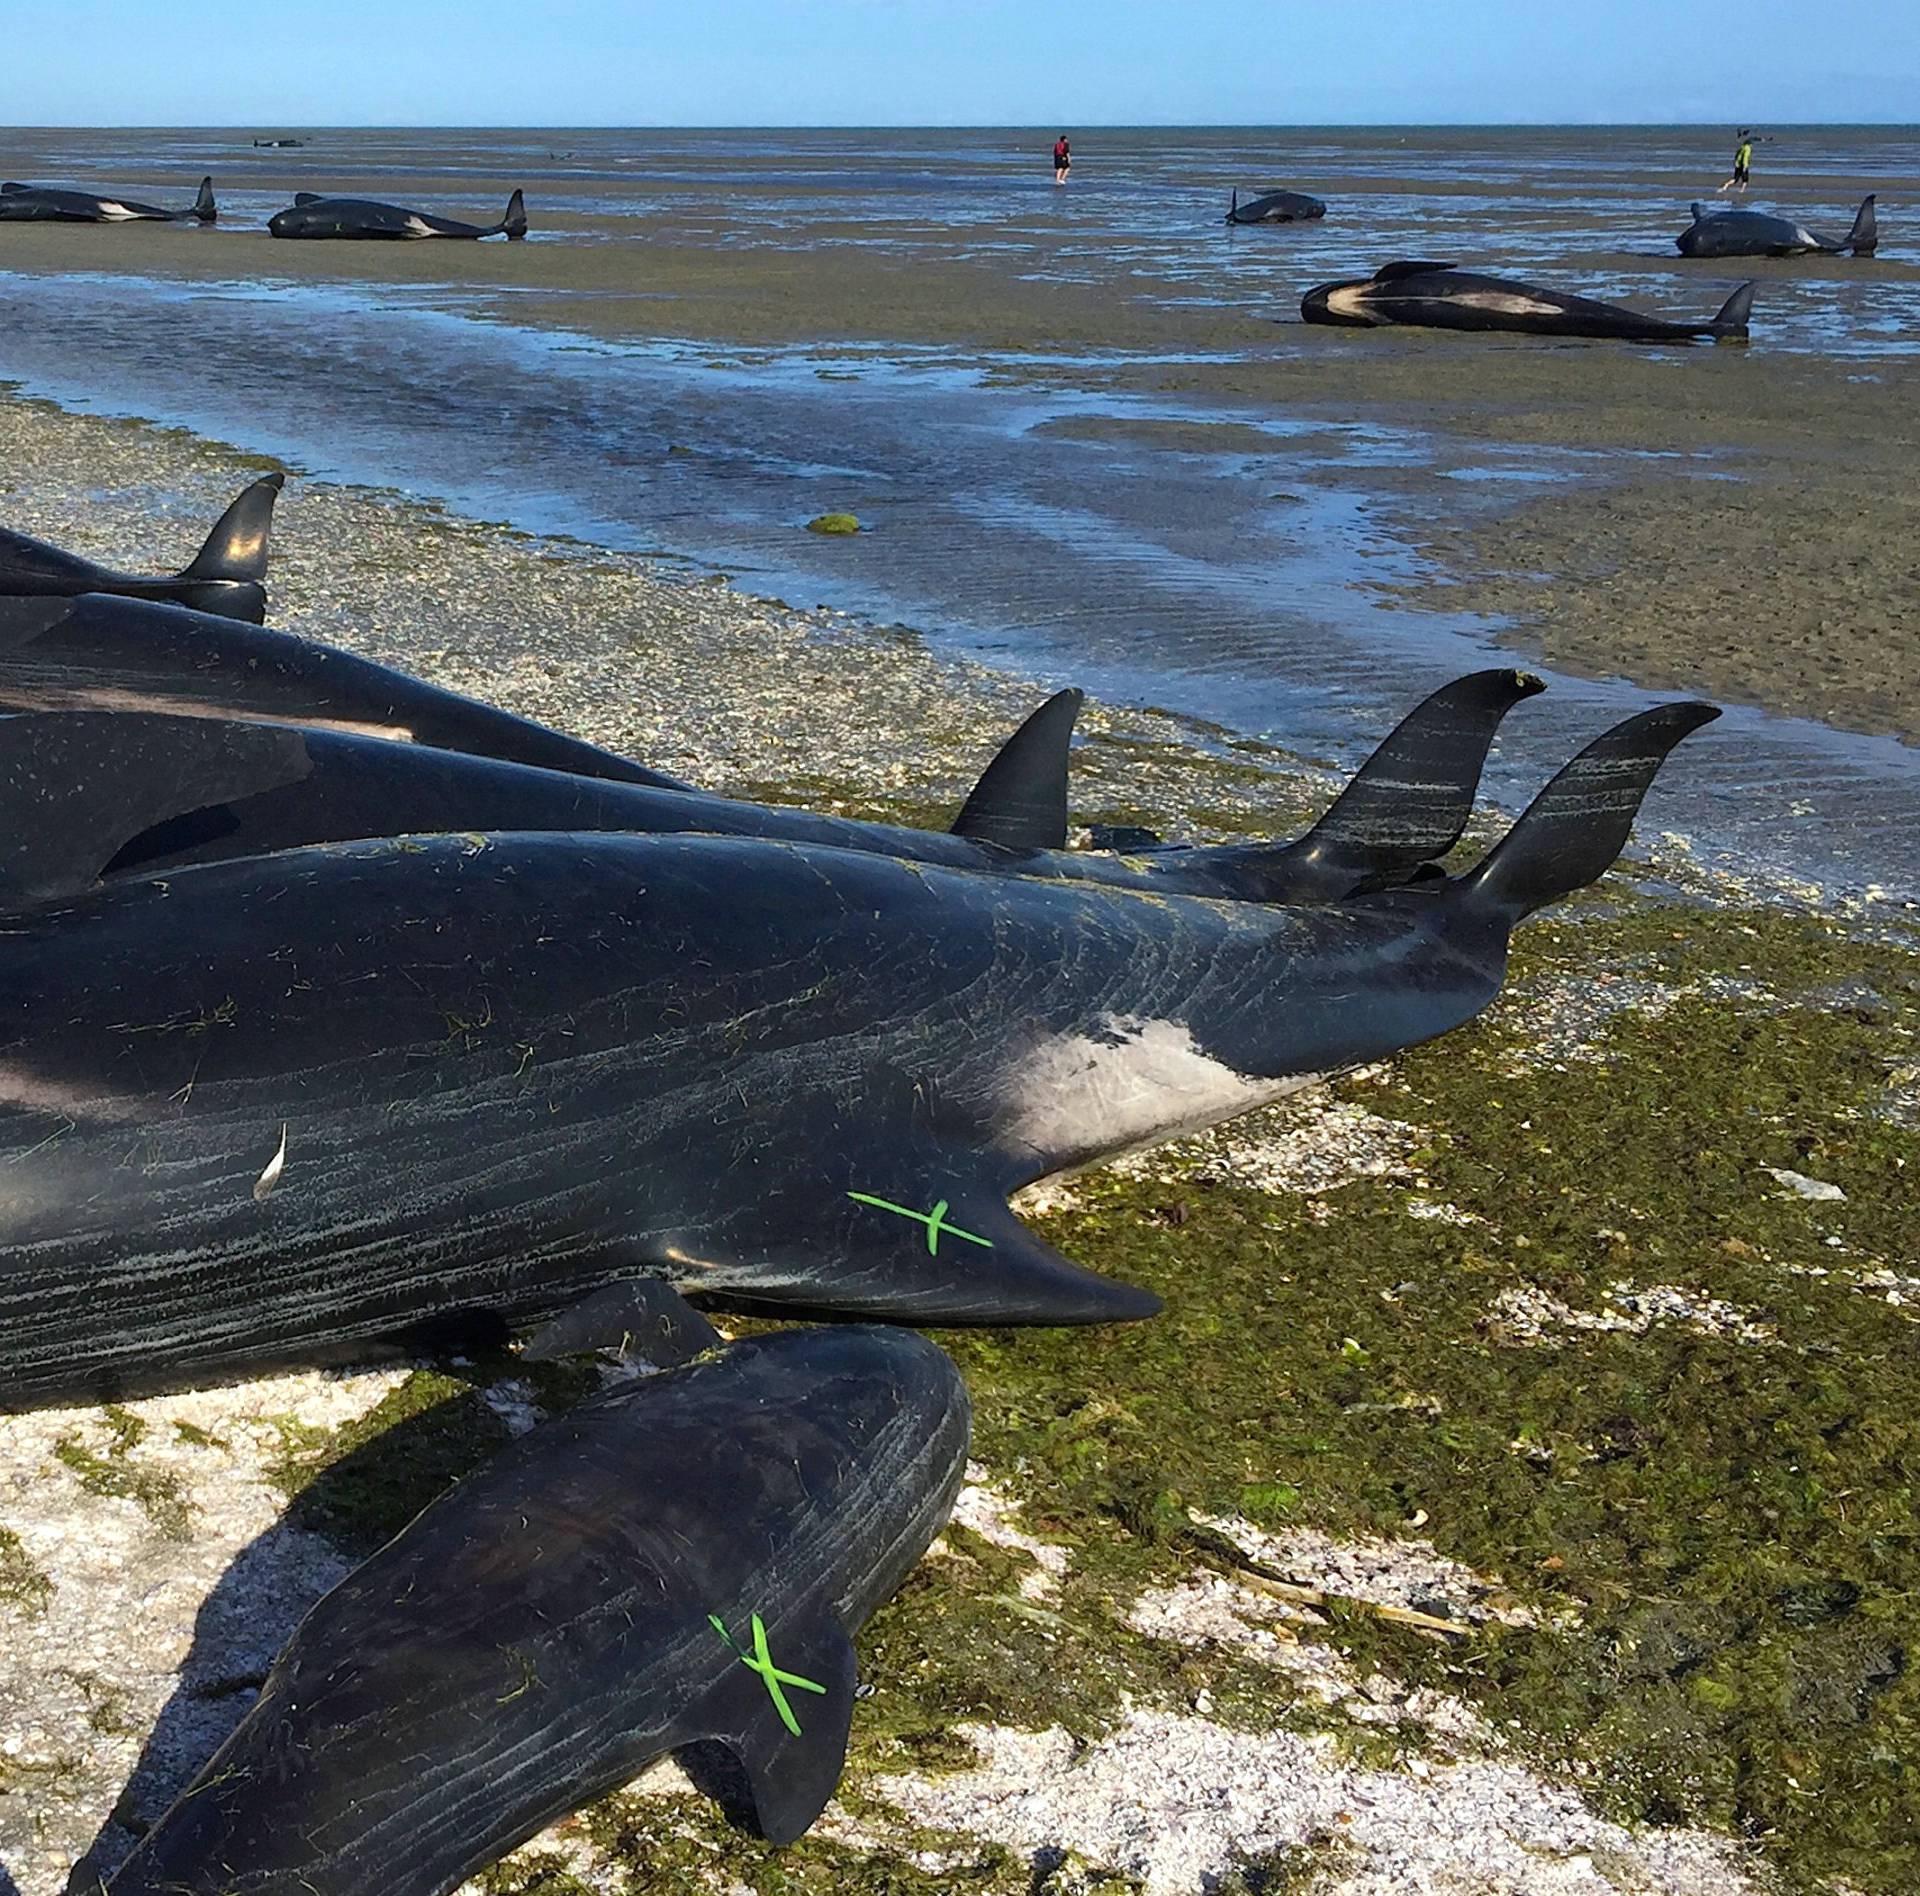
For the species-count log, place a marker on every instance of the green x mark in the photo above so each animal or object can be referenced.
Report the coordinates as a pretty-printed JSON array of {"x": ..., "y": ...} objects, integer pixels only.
[
  {"x": 935, "y": 1220},
  {"x": 760, "y": 1660}
]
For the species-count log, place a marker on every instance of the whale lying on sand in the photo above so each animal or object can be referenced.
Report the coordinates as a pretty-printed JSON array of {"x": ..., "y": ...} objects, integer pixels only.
[
  {"x": 680, "y": 1559},
  {"x": 1717, "y": 232},
  {"x": 226, "y": 578},
  {"x": 44, "y": 203},
  {"x": 1438, "y": 296},
  {"x": 169, "y": 792},
  {"x": 1275, "y": 207},
  {"x": 105, "y": 654},
  {"x": 312, "y": 215},
  {"x": 281, "y": 1109}
]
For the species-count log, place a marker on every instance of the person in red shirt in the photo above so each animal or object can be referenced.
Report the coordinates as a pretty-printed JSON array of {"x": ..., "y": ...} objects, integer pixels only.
[{"x": 1062, "y": 159}]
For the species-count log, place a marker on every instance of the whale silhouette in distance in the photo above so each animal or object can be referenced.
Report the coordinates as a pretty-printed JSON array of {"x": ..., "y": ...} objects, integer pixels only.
[
  {"x": 1439, "y": 296},
  {"x": 1275, "y": 207},
  {"x": 225, "y": 579},
  {"x": 1719, "y": 232},
  {"x": 294, "y": 1108},
  {"x": 155, "y": 787},
  {"x": 311, "y": 215},
  {"x": 677, "y": 1560},
  {"x": 43, "y": 203}
]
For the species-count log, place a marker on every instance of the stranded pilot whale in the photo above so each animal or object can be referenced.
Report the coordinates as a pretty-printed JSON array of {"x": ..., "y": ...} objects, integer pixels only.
[
  {"x": 1718, "y": 232},
  {"x": 43, "y": 203},
  {"x": 168, "y": 792},
  {"x": 278, "y": 1109},
  {"x": 1275, "y": 207},
  {"x": 101, "y": 653},
  {"x": 311, "y": 215},
  {"x": 1438, "y": 296},
  {"x": 679, "y": 1559},
  {"x": 226, "y": 578}
]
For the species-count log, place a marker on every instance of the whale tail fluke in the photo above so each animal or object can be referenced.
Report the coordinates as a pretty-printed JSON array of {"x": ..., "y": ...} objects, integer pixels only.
[
  {"x": 204, "y": 208},
  {"x": 1735, "y": 313},
  {"x": 1864, "y": 238},
  {"x": 1020, "y": 801},
  {"x": 514, "y": 223},
  {"x": 1573, "y": 831},
  {"x": 236, "y": 549},
  {"x": 1410, "y": 801}
]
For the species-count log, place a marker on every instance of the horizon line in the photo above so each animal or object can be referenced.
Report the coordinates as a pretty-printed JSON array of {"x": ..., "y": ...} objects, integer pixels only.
[{"x": 943, "y": 125}]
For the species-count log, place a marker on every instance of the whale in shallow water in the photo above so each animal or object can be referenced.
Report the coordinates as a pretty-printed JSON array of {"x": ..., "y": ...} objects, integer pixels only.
[
  {"x": 1439, "y": 296},
  {"x": 678, "y": 1560},
  {"x": 311, "y": 215},
  {"x": 45, "y": 203},
  {"x": 1275, "y": 207},
  {"x": 1718, "y": 232},
  {"x": 156, "y": 783},
  {"x": 279, "y": 1109},
  {"x": 101, "y": 653},
  {"x": 226, "y": 578}
]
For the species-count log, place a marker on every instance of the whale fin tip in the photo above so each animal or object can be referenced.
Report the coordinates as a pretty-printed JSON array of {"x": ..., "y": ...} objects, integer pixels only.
[
  {"x": 1020, "y": 801},
  {"x": 785, "y": 1712},
  {"x": 643, "y": 1319},
  {"x": 236, "y": 549}
]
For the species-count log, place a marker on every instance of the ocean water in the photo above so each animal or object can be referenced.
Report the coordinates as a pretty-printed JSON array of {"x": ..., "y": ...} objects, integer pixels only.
[{"x": 1209, "y": 555}]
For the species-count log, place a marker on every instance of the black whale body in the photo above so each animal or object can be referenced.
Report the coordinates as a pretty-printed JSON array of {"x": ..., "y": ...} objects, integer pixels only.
[
  {"x": 1717, "y": 232},
  {"x": 311, "y": 215},
  {"x": 545, "y": 1629},
  {"x": 102, "y": 653},
  {"x": 279, "y": 1109},
  {"x": 172, "y": 792},
  {"x": 55, "y": 204},
  {"x": 225, "y": 579},
  {"x": 1275, "y": 207},
  {"x": 1439, "y": 296}
]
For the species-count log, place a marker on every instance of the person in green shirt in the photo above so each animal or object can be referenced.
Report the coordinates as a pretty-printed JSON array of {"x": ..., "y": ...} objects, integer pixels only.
[{"x": 1742, "y": 162}]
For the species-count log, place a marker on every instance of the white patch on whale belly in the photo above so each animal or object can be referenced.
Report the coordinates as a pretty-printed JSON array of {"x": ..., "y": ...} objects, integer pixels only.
[
  {"x": 115, "y": 213},
  {"x": 419, "y": 227},
  {"x": 1130, "y": 1083}
]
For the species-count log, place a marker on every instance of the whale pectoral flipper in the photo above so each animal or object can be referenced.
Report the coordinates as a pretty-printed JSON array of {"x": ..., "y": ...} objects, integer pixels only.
[
  {"x": 306, "y": 197},
  {"x": 1020, "y": 801},
  {"x": 784, "y": 1710},
  {"x": 643, "y": 1318},
  {"x": 1408, "y": 266},
  {"x": 940, "y": 1244}
]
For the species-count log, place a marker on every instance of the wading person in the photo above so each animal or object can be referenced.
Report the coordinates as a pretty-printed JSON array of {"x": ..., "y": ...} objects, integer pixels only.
[
  {"x": 1742, "y": 162},
  {"x": 1062, "y": 159}
]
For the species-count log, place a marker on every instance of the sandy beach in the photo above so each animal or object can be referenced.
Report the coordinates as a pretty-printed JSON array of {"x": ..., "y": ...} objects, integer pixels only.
[{"x": 1516, "y": 1496}]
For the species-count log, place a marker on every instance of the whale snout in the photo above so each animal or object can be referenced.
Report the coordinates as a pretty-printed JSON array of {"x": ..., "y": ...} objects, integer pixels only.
[{"x": 1333, "y": 303}]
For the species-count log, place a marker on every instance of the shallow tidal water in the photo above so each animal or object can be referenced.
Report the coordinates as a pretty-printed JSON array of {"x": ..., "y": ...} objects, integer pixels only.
[{"x": 1053, "y": 502}]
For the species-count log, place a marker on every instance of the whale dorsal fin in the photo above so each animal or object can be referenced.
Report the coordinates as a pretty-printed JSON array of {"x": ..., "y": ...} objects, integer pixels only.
[
  {"x": 1020, "y": 801},
  {"x": 791, "y": 1741},
  {"x": 1701, "y": 212},
  {"x": 75, "y": 786},
  {"x": 642, "y": 1319},
  {"x": 237, "y": 546},
  {"x": 1411, "y": 266},
  {"x": 305, "y": 197}
]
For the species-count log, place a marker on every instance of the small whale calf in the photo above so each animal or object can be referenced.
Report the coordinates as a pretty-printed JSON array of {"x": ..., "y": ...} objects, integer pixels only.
[
  {"x": 312, "y": 215},
  {"x": 43, "y": 203},
  {"x": 1440, "y": 296},
  {"x": 680, "y": 1559},
  {"x": 1718, "y": 232},
  {"x": 1275, "y": 207},
  {"x": 225, "y": 579},
  {"x": 291, "y": 1108}
]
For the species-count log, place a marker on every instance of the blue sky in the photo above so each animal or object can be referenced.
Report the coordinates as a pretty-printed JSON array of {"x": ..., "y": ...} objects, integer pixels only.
[{"x": 955, "y": 62}]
